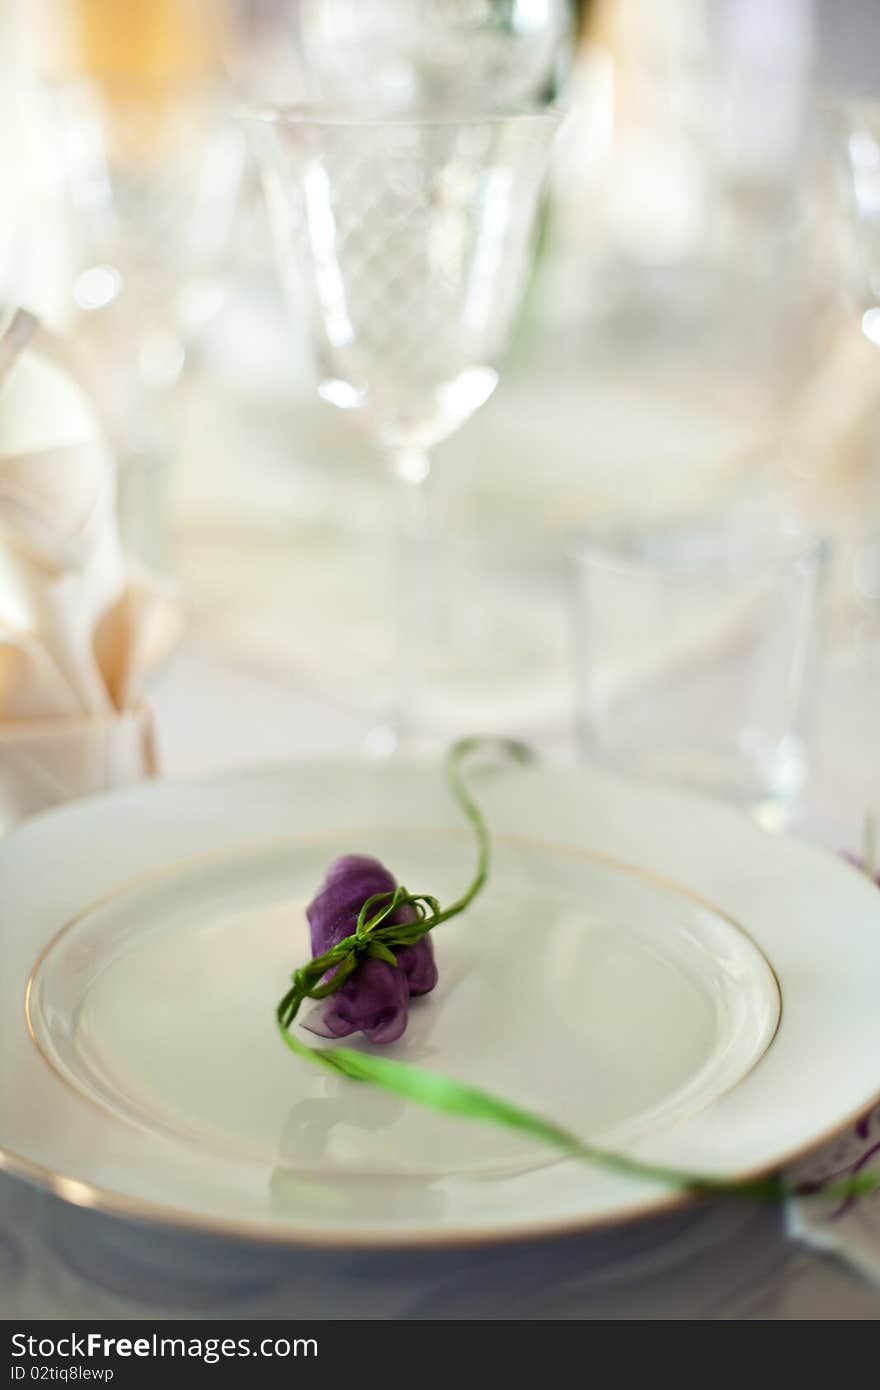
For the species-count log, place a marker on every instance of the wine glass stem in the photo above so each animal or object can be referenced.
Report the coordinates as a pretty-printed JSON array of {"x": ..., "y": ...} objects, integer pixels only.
[{"x": 410, "y": 468}]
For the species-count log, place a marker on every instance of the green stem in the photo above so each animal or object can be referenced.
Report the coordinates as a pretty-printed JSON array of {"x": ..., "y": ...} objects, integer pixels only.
[{"x": 370, "y": 936}]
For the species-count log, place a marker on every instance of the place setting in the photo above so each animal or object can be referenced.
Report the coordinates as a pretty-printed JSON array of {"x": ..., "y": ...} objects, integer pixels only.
[{"x": 502, "y": 941}]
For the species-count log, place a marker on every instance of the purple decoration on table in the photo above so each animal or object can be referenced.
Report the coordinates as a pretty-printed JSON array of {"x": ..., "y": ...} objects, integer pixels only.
[
  {"x": 858, "y": 863},
  {"x": 375, "y": 999},
  {"x": 849, "y": 1159}
]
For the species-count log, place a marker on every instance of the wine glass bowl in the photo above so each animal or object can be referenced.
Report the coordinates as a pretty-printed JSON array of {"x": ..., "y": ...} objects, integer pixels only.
[{"x": 412, "y": 241}]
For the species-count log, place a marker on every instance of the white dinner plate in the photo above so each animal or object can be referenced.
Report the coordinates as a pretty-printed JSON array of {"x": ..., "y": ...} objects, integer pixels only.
[{"x": 645, "y": 968}]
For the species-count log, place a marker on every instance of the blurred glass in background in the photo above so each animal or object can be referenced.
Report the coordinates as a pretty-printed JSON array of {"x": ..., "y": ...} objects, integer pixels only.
[
  {"x": 686, "y": 341},
  {"x": 401, "y": 54},
  {"x": 855, "y": 125},
  {"x": 698, "y": 243},
  {"x": 682, "y": 340},
  {"x": 696, "y": 653},
  {"x": 145, "y": 163},
  {"x": 443, "y": 53}
]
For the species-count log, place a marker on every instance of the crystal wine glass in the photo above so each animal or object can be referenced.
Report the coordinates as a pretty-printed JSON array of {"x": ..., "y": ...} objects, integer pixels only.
[{"x": 410, "y": 239}]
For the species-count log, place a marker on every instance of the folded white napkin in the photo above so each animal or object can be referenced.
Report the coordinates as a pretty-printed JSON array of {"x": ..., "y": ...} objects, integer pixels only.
[{"x": 79, "y": 627}]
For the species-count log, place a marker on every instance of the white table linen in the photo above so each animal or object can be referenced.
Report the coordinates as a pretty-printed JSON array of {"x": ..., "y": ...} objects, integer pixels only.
[{"x": 720, "y": 1261}]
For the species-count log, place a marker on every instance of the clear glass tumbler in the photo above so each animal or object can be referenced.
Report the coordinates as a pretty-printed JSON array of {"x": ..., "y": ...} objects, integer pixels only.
[{"x": 695, "y": 647}]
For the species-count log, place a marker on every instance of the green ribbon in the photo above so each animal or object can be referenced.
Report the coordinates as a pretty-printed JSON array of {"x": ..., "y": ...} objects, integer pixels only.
[{"x": 375, "y": 936}]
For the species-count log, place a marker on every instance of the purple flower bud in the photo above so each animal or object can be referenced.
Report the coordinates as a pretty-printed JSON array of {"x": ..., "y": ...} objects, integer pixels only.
[
  {"x": 418, "y": 965},
  {"x": 375, "y": 999}
]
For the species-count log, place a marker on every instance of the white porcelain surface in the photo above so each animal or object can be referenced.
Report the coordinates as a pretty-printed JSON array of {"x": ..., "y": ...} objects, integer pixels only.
[
  {"x": 576, "y": 987},
  {"x": 645, "y": 1016}
]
